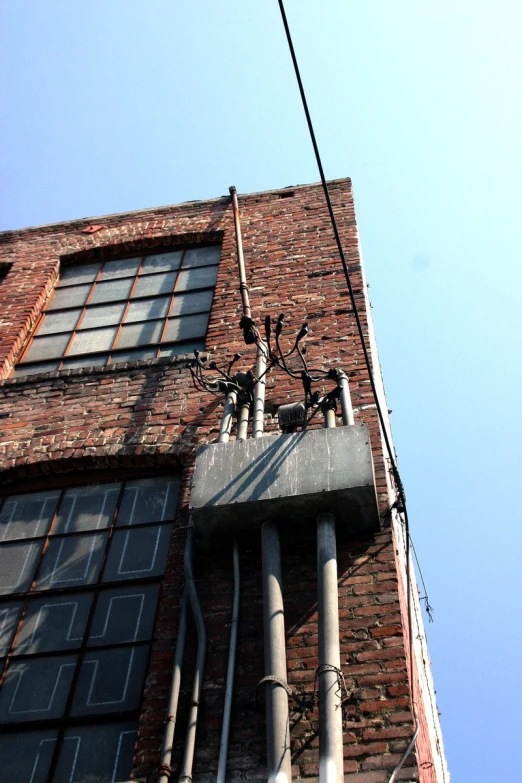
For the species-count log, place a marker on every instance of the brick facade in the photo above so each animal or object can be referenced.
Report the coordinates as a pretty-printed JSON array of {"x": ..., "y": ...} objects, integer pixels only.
[{"x": 147, "y": 414}]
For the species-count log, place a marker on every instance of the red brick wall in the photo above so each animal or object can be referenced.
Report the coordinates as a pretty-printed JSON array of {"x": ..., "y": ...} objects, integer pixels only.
[{"x": 149, "y": 414}]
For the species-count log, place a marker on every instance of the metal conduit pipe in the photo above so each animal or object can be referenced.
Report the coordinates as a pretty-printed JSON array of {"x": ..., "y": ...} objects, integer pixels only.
[
  {"x": 346, "y": 400},
  {"x": 329, "y": 418},
  {"x": 242, "y": 421},
  {"x": 330, "y": 712},
  {"x": 258, "y": 416},
  {"x": 172, "y": 710},
  {"x": 225, "y": 729},
  {"x": 228, "y": 417},
  {"x": 279, "y": 765},
  {"x": 243, "y": 287},
  {"x": 190, "y": 740}
]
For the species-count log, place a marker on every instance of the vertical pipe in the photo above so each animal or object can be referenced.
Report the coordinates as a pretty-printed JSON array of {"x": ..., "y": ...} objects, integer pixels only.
[
  {"x": 227, "y": 419},
  {"x": 225, "y": 728},
  {"x": 259, "y": 392},
  {"x": 170, "y": 723},
  {"x": 243, "y": 287},
  {"x": 279, "y": 765},
  {"x": 242, "y": 425},
  {"x": 330, "y": 713},
  {"x": 329, "y": 417},
  {"x": 190, "y": 740},
  {"x": 346, "y": 400}
]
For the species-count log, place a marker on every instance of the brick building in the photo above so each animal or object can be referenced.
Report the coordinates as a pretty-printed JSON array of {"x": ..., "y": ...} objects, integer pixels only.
[{"x": 100, "y": 421}]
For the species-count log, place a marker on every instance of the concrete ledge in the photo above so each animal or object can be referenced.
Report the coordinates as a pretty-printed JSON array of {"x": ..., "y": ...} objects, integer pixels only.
[{"x": 289, "y": 478}]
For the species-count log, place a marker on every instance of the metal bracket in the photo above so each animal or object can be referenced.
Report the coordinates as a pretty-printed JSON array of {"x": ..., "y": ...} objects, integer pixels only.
[{"x": 279, "y": 681}]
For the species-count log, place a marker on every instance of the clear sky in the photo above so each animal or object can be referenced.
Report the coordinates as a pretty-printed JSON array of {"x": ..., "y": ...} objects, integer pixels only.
[{"x": 117, "y": 105}]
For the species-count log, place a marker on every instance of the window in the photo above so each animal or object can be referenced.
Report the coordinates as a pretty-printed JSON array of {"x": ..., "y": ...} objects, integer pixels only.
[
  {"x": 80, "y": 572},
  {"x": 124, "y": 310}
]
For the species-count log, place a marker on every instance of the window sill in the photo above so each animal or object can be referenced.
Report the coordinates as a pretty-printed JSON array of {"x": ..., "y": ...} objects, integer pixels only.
[{"x": 98, "y": 370}]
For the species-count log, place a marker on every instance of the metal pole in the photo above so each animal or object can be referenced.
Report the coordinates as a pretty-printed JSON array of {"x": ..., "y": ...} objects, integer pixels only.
[
  {"x": 172, "y": 710},
  {"x": 227, "y": 419},
  {"x": 225, "y": 729},
  {"x": 190, "y": 741},
  {"x": 279, "y": 765},
  {"x": 330, "y": 712},
  {"x": 243, "y": 287},
  {"x": 329, "y": 417},
  {"x": 259, "y": 392},
  {"x": 346, "y": 401}
]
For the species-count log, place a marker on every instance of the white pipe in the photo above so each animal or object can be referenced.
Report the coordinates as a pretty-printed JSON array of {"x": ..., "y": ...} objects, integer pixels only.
[
  {"x": 190, "y": 740},
  {"x": 225, "y": 729},
  {"x": 258, "y": 416},
  {"x": 330, "y": 712},
  {"x": 172, "y": 710},
  {"x": 279, "y": 764},
  {"x": 227, "y": 418},
  {"x": 346, "y": 400},
  {"x": 242, "y": 425},
  {"x": 329, "y": 418}
]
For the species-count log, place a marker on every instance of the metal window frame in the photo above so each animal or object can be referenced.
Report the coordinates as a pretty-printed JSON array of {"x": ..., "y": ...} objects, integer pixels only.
[
  {"x": 97, "y": 587},
  {"x": 113, "y": 351}
]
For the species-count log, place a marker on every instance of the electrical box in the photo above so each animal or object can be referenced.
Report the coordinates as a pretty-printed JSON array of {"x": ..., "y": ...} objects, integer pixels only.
[{"x": 286, "y": 478}]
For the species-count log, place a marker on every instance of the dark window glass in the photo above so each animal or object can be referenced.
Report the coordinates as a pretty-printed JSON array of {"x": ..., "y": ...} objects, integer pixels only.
[
  {"x": 99, "y": 310},
  {"x": 86, "y": 565}
]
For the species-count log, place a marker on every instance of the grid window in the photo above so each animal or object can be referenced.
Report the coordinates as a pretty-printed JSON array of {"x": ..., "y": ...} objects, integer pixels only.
[
  {"x": 107, "y": 312},
  {"x": 80, "y": 570}
]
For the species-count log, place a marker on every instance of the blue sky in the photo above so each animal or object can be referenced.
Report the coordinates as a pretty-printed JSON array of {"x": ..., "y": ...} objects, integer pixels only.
[{"x": 120, "y": 105}]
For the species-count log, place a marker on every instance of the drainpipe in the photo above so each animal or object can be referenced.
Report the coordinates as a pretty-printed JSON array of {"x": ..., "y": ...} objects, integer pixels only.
[
  {"x": 168, "y": 736},
  {"x": 190, "y": 740},
  {"x": 279, "y": 764},
  {"x": 346, "y": 402}
]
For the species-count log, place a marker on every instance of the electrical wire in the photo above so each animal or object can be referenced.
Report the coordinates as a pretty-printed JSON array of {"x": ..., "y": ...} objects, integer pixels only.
[{"x": 391, "y": 455}]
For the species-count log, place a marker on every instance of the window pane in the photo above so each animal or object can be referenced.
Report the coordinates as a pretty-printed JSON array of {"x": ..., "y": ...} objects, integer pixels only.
[
  {"x": 93, "y": 340},
  {"x": 17, "y": 566},
  {"x": 139, "y": 334},
  {"x": 110, "y": 681},
  {"x": 161, "y": 262},
  {"x": 197, "y": 278},
  {"x": 26, "y": 756},
  {"x": 27, "y": 516},
  {"x": 85, "y": 361},
  {"x": 149, "y": 500},
  {"x": 138, "y": 553},
  {"x": 9, "y": 616},
  {"x": 155, "y": 284},
  {"x": 186, "y": 327},
  {"x": 146, "y": 309},
  {"x": 192, "y": 303},
  {"x": 124, "y": 614},
  {"x": 182, "y": 348},
  {"x": 133, "y": 356},
  {"x": 199, "y": 256},
  {"x": 59, "y": 322},
  {"x": 126, "y": 267},
  {"x": 102, "y": 316},
  {"x": 47, "y": 347},
  {"x": 87, "y": 508},
  {"x": 69, "y": 562},
  {"x": 36, "y": 689},
  {"x": 73, "y": 275},
  {"x": 32, "y": 369},
  {"x": 97, "y": 754},
  {"x": 111, "y": 291},
  {"x": 69, "y": 297},
  {"x": 54, "y": 623}
]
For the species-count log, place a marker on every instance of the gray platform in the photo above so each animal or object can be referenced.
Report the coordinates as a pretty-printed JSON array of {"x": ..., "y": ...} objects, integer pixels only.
[{"x": 288, "y": 478}]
